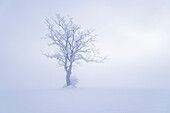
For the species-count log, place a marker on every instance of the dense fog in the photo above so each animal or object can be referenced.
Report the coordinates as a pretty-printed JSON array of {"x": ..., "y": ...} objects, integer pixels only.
[{"x": 134, "y": 35}]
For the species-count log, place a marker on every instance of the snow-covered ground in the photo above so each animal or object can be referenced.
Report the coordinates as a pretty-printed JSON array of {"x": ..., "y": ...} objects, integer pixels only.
[{"x": 85, "y": 101}]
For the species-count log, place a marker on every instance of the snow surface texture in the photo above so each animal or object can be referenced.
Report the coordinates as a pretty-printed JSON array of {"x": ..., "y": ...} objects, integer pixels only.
[{"x": 86, "y": 101}]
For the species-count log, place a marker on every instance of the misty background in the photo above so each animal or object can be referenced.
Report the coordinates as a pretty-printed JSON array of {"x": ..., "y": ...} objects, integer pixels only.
[{"x": 133, "y": 34}]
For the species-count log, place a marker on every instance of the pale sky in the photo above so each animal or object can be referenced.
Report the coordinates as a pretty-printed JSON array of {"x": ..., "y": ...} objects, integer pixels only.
[{"x": 134, "y": 34}]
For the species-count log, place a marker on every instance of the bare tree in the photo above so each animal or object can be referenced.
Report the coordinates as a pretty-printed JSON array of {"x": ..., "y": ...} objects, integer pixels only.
[{"x": 73, "y": 44}]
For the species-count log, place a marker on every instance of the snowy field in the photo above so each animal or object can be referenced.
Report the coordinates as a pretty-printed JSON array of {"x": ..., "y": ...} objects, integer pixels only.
[{"x": 86, "y": 101}]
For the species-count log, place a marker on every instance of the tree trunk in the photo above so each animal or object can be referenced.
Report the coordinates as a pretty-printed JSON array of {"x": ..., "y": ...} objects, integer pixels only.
[
  {"x": 69, "y": 71},
  {"x": 68, "y": 82}
]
